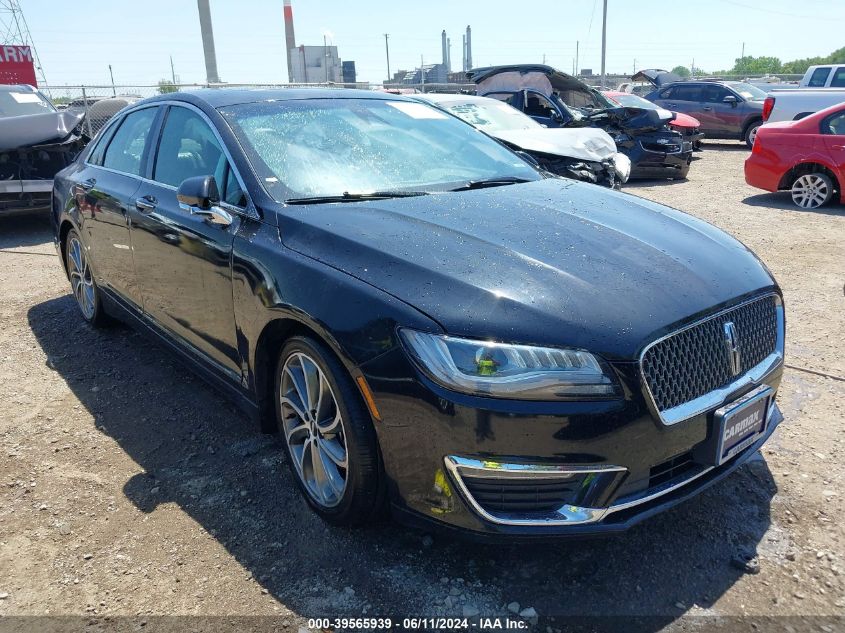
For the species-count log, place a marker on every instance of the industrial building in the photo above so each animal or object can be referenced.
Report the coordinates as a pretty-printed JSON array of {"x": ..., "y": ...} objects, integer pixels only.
[{"x": 315, "y": 65}]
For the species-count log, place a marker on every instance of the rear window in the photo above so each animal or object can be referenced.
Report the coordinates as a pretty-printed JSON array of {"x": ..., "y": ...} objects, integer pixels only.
[
  {"x": 818, "y": 78},
  {"x": 838, "y": 80},
  {"x": 687, "y": 93}
]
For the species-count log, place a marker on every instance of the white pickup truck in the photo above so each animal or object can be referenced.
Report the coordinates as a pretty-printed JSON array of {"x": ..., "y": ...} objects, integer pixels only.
[
  {"x": 824, "y": 76},
  {"x": 791, "y": 105}
]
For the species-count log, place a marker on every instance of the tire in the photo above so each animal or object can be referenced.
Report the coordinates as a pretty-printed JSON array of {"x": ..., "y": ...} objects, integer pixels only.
[
  {"x": 336, "y": 464},
  {"x": 683, "y": 171},
  {"x": 812, "y": 190},
  {"x": 83, "y": 286},
  {"x": 751, "y": 133}
]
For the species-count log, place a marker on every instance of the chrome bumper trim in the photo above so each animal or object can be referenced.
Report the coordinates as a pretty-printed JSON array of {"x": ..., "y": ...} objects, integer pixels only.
[
  {"x": 26, "y": 186},
  {"x": 568, "y": 515}
]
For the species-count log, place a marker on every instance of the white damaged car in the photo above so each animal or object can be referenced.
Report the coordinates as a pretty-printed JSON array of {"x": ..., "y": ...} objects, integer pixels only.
[{"x": 584, "y": 153}]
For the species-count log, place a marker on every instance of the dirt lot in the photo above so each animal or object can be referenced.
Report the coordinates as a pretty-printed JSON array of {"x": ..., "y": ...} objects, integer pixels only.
[{"x": 129, "y": 487}]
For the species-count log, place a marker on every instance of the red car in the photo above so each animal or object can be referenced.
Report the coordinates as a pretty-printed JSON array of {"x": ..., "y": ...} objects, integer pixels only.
[
  {"x": 683, "y": 123},
  {"x": 807, "y": 157}
]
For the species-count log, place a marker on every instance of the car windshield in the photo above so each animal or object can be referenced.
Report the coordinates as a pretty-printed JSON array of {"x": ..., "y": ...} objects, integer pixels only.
[
  {"x": 748, "y": 91},
  {"x": 492, "y": 116},
  {"x": 14, "y": 103},
  {"x": 633, "y": 101},
  {"x": 332, "y": 147}
]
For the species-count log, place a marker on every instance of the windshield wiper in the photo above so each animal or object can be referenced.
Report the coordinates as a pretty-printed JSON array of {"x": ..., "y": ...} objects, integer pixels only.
[
  {"x": 491, "y": 182},
  {"x": 353, "y": 197}
]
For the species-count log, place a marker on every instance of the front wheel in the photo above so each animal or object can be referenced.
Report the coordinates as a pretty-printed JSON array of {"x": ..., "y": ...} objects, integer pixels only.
[
  {"x": 751, "y": 133},
  {"x": 328, "y": 435},
  {"x": 811, "y": 191},
  {"x": 82, "y": 282}
]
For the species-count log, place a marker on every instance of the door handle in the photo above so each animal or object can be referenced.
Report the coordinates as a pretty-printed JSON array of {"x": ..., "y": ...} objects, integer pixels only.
[
  {"x": 707, "y": 108},
  {"x": 838, "y": 146},
  {"x": 87, "y": 185},
  {"x": 146, "y": 204},
  {"x": 671, "y": 105}
]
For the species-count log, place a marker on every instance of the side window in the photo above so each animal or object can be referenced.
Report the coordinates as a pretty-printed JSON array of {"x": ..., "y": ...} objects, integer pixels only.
[
  {"x": 667, "y": 94},
  {"x": 819, "y": 77},
  {"x": 835, "y": 124},
  {"x": 232, "y": 192},
  {"x": 507, "y": 97},
  {"x": 687, "y": 93},
  {"x": 188, "y": 148},
  {"x": 538, "y": 105},
  {"x": 98, "y": 146},
  {"x": 714, "y": 94},
  {"x": 126, "y": 149},
  {"x": 838, "y": 80}
]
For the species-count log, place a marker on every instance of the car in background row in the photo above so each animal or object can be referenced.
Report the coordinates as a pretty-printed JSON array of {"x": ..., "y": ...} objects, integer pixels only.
[
  {"x": 791, "y": 105},
  {"x": 36, "y": 141},
  {"x": 684, "y": 124},
  {"x": 726, "y": 109},
  {"x": 805, "y": 157},
  {"x": 587, "y": 154},
  {"x": 429, "y": 322},
  {"x": 556, "y": 99},
  {"x": 824, "y": 76}
]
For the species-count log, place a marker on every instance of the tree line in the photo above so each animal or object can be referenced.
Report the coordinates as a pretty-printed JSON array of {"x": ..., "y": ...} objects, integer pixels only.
[{"x": 766, "y": 65}]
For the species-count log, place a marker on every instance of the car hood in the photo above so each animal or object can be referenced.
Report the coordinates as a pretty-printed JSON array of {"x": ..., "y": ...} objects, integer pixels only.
[
  {"x": 552, "y": 262},
  {"x": 37, "y": 129},
  {"x": 590, "y": 144},
  {"x": 656, "y": 76},
  {"x": 684, "y": 120}
]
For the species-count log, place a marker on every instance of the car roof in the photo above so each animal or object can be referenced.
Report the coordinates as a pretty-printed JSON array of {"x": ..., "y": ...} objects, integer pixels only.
[
  {"x": 17, "y": 88},
  {"x": 224, "y": 97},
  {"x": 440, "y": 97}
]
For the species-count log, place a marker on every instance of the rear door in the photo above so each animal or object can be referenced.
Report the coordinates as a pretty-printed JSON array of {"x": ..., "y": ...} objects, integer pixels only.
[
  {"x": 833, "y": 133},
  {"x": 684, "y": 98},
  {"x": 104, "y": 190},
  {"x": 183, "y": 261}
]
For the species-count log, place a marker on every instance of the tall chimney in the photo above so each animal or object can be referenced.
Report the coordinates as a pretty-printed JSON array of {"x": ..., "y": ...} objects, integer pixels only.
[
  {"x": 448, "y": 54},
  {"x": 464, "y": 52},
  {"x": 445, "y": 54},
  {"x": 469, "y": 48},
  {"x": 290, "y": 40},
  {"x": 208, "y": 42}
]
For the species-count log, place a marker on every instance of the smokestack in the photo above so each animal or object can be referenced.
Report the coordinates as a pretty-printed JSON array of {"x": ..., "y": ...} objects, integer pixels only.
[
  {"x": 445, "y": 53},
  {"x": 469, "y": 48},
  {"x": 290, "y": 40},
  {"x": 448, "y": 55},
  {"x": 208, "y": 42},
  {"x": 464, "y": 52}
]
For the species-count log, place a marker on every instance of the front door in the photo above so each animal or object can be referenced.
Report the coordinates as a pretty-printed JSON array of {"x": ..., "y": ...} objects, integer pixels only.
[
  {"x": 104, "y": 190},
  {"x": 541, "y": 109},
  {"x": 717, "y": 117},
  {"x": 183, "y": 261}
]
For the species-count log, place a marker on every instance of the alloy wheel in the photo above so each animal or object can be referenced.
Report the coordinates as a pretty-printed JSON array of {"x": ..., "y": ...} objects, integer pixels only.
[
  {"x": 752, "y": 134},
  {"x": 81, "y": 281},
  {"x": 314, "y": 429},
  {"x": 810, "y": 191}
]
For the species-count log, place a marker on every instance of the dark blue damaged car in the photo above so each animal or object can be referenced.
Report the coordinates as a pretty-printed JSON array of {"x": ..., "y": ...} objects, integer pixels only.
[{"x": 434, "y": 327}]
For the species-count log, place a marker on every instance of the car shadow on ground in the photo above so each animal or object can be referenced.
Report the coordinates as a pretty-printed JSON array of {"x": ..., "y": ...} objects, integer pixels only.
[
  {"x": 782, "y": 200},
  {"x": 200, "y": 453},
  {"x": 24, "y": 230}
]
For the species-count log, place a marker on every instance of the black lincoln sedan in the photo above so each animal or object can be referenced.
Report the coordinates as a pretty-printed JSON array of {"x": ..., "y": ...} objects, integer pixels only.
[{"x": 432, "y": 325}]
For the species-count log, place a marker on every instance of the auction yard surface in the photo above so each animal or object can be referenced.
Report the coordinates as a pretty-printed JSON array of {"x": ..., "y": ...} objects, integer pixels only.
[{"x": 129, "y": 487}]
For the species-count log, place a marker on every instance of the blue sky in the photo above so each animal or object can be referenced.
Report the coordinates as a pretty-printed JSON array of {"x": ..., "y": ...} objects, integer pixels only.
[{"x": 77, "y": 40}]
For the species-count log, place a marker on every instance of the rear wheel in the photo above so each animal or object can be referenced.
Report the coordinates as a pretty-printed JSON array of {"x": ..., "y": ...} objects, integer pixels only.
[
  {"x": 811, "y": 191},
  {"x": 82, "y": 282},
  {"x": 328, "y": 434}
]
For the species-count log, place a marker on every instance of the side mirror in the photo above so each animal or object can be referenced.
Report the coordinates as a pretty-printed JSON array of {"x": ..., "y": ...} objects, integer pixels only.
[
  {"x": 556, "y": 117},
  {"x": 730, "y": 99},
  {"x": 199, "y": 196}
]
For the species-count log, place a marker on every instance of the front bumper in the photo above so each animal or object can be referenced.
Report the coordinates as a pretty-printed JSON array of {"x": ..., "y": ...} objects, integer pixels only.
[
  {"x": 24, "y": 196},
  {"x": 433, "y": 440}
]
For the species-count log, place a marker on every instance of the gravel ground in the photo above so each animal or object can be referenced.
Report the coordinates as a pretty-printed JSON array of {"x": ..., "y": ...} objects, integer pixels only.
[{"x": 129, "y": 487}]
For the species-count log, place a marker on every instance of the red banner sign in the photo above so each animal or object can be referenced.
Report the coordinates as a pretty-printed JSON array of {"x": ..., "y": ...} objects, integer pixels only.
[{"x": 17, "y": 65}]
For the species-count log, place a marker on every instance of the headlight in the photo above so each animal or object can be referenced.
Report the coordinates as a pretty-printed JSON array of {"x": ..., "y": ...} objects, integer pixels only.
[{"x": 500, "y": 370}]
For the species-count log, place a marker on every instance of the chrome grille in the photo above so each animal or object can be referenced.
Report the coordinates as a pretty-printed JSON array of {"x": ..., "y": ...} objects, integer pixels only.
[{"x": 695, "y": 361}]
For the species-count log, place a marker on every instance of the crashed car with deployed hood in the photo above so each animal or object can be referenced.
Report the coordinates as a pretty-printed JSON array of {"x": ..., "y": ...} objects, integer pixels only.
[
  {"x": 36, "y": 142},
  {"x": 587, "y": 154},
  {"x": 556, "y": 99}
]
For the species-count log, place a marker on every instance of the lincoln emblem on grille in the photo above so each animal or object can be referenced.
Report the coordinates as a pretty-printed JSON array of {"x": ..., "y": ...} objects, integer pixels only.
[{"x": 732, "y": 343}]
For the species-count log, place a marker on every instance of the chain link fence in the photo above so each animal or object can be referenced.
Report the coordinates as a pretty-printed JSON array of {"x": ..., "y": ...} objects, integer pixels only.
[{"x": 100, "y": 103}]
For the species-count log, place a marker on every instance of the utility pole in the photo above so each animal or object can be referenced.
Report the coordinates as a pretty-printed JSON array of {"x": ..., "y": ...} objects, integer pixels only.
[
  {"x": 577, "y": 61},
  {"x": 635, "y": 65},
  {"x": 172, "y": 71},
  {"x": 111, "y": 74},
  {"x": 387, "y": 53},
  {"x": 604, "y": 45},
  {"x": 326, "y": 58},
  {"x": 544, "y": 59},
  {"x": 422, "y": 73},
  {"x": 743, "y": 50}
]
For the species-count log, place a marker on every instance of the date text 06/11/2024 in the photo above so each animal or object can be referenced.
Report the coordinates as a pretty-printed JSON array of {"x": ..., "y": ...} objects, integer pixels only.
[{"x": 423, "y": 623}]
